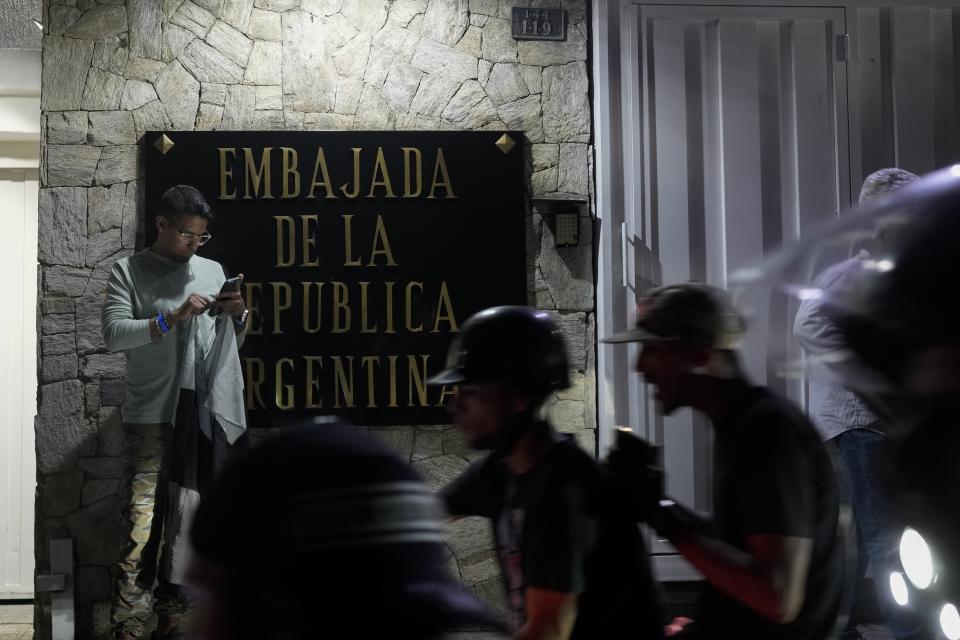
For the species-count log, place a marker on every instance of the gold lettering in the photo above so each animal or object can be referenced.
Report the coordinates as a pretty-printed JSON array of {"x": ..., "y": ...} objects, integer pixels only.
[
  {"x": 444, "y": 392},
  {"x": 356, "y": 175},
  {"x": 290, "y": 160},
  {"x": 255, "y": 373},
  {"x": 342, "y": 384},
  {"x": 227, "y": 173},
  {"x": 321, "y": 167},
  {"x": 285, "y": 223},
  {"x": 409, "y": 309},
  {"x": 393, "y": 382},
  {"x": 313, "y": 384},
  {"x": 364, "y": 327},
  {"x": 380, "y": 169},
  {"x": 380, "y": 240},
  {"x": 348, "y": 260},
  {"x": 368, "y": 363},
  {"x": 444, "y": 311},
  {"x": 413, "y": 152},
  {"x": 279, "y": 306},
  {"x": 310, "y": 259},
  {"x": 441, "y": 168},
  {"x": 254, "y": 174},
  {"x": 307, "y": 286},
  {"x": 253, "y": 304},
  {"x": 416, "y": 377},
  {"x": 389, "y": 287},
  {"x": 284, "y": 392},
  {"x": 341, "y": 308}
]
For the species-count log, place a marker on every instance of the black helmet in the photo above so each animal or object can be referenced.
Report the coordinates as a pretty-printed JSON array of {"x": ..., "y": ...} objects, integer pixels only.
[{"x": 521, "y": 347}]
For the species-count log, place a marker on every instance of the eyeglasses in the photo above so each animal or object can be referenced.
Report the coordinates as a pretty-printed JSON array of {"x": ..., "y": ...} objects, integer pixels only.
[{"x": 190, "y": 238}]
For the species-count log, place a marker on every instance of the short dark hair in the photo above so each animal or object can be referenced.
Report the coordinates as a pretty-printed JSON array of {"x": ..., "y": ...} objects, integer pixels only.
[{"x": 184, "y": 200}]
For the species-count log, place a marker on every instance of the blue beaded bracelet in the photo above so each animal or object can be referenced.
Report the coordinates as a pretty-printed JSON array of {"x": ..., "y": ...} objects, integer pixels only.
[{"x": 162, "y": 323}]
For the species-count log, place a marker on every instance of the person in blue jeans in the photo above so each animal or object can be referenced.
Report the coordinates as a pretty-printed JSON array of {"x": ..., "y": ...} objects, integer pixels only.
[{"x": 845, "y": 420}]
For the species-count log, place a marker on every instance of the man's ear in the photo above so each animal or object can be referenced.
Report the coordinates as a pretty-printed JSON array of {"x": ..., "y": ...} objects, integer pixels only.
[{"x": 156, "y": 221}]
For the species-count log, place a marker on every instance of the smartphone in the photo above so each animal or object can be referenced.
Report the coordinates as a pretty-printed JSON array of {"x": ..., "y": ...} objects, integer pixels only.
[{"x": 231, "y": 285}]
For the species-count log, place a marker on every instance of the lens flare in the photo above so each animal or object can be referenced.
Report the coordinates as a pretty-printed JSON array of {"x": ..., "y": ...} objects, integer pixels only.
[
  {"x": 950, "y": 622},
  {"x": 898, "y": 587},
  {"x": 916, "y": 559}
]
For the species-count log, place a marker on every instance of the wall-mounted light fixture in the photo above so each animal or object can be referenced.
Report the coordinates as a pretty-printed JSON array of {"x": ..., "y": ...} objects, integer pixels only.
[{"x": 562, "y": 212}]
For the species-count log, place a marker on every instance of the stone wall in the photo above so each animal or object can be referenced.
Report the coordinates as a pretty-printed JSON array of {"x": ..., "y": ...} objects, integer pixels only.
[{"x": 114, "y": 69}]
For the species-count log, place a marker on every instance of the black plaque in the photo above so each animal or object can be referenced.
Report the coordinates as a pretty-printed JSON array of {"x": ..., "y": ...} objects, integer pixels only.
[
  {"x": 530, "y": 23},
  {"x": 357, "y": 285}
]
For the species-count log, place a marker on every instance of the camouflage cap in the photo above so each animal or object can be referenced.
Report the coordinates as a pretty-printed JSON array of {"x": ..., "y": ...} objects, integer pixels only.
[{"x": 691, "y": 312}]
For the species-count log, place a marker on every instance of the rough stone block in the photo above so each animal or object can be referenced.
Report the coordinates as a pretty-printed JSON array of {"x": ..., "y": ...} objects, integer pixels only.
[
  {"x": 351, "y": 59},
  {"x": 433, "y": 57},
  {"x": 104, "y": 365},
  {"x": 97, "y": 284},
  {"x": 102, "y": 21},
  {"x": 269, "y": 97},
  {"x": 498, "y": 44},
  {"x": 117, "y": 164},
  {"x": 88, "y": 325},
  {"x": 491, "y": 592},
  {"x": 62, "y": 229},
  {"x": 237, "y": 13},
  {"x": 97, "y": 532},
  {"x": 399, "y": 439},
  {"x": 403, "y": 11},
  {"x": 137, "y": 93},
  {"x": 130, "y": 218},
  {"x": 71, "y": 165},
  {"x": 64, "y": 281},
  {"x": 478, "y": 567},
  {"x": 213, "y": 93},
  {"x": 61, "y": 493},
  {"x": 58, "y": 323},
  {"x": 111, "y": 127},
  {"x": 523, "y": 115},
  {"x": 265, "y": 25},
  {"x": 574, "y": 176},
  {"x": 568, "y": 272},
  {"x": 268, "y": 120},
  {"x": 433, "y": 95},
  {"x": 532, "y": 77},
  {"x": 101, "y": 246},
  {"x": 67, "y": 127},
  {"x": 544, "y": 156},
  {"x": 91, "y": 398},
  {"x": 230, "y": 42},
  {"x": 505, "y": 84},
  {"x": 105, "y": 207},
  {"x": 366, "y": 17},
  {"x": 209, "y": 117},
  {"x": 428, "y": 443},
  {"x": 54, "y": 368},
  {"x": 469, "y": 536},
  {"x": 566, "y": 106},
  {"x": 373, "y": 112},
  {"x": 175, "y": 40},
  {"x": 194, "y": 18},
  {"x": 309, "y": 73},
  {"x": 144, "y": 69},
  {"x": 277, "y": 5},
  {"x": 265, "y": 60},
  {"x": 65, "y": 63},
  {"x": 445, "y": 21},
  {"x": 60, "y": 439},
  {"x": 440, "y": 471},
  {"x": 151, "y": 117},
  {"x": 470, "y": 107},
  {"x": 146, "y": 37},
  {"x": 180, "y": 93},
  {"x": 102, "y": 91},
  {"x": 209, "y": 65},
  {"x": 59, "y": 344},
  {"x": 60, "y": 18},
  {"x": 111, "y": 54},
  {"x": 238, "y": 112},
  {"x": 50, "y": 305},
  {"x": 400, "y": 86},
  {"x": 549, "y": 52}
]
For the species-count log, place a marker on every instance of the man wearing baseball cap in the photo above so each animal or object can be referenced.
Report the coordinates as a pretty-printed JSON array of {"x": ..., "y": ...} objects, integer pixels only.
[{"x": 772, "y": 553}]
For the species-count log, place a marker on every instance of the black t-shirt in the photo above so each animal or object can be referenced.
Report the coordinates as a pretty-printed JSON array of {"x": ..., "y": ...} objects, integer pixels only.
[
  {"x": 556, "y": 528},
  {"x": 774, "y": 476}
]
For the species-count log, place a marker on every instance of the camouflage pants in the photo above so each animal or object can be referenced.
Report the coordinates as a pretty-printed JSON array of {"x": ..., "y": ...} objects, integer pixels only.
[{"x": 146, "y": 455}]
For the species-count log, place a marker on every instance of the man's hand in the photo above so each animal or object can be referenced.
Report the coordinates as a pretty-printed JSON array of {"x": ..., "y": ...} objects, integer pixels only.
[
  {"x": 231, "y": 302},
  {"x": 194, "y": 305}
]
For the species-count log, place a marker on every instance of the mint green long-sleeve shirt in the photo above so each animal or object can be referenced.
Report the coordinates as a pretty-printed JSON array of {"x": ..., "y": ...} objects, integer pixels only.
[{"x": 140, "y": 287}]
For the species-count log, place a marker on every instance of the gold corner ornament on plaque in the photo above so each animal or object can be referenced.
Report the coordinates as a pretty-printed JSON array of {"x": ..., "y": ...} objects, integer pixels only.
[
  {"x": 505, "y": 143},
  {"x": 163, "y": 144}
]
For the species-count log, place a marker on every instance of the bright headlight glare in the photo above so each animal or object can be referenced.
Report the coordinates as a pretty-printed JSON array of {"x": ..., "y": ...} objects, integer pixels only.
[
  {"x": 916, "y": 559},
  {"x": 898, "y": 587},
  {"x": 950, "y": 622}
]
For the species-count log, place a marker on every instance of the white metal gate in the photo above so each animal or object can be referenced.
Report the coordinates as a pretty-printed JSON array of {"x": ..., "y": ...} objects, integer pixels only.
[{"x": 18, "y": 379}]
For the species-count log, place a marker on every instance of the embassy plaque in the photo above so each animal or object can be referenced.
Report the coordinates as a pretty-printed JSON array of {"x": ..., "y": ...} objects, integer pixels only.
[{"x": 362, "y": 252}]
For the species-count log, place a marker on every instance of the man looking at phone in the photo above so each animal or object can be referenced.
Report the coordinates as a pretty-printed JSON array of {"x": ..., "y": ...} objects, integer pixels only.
[{"x": 155, "y": 312}]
